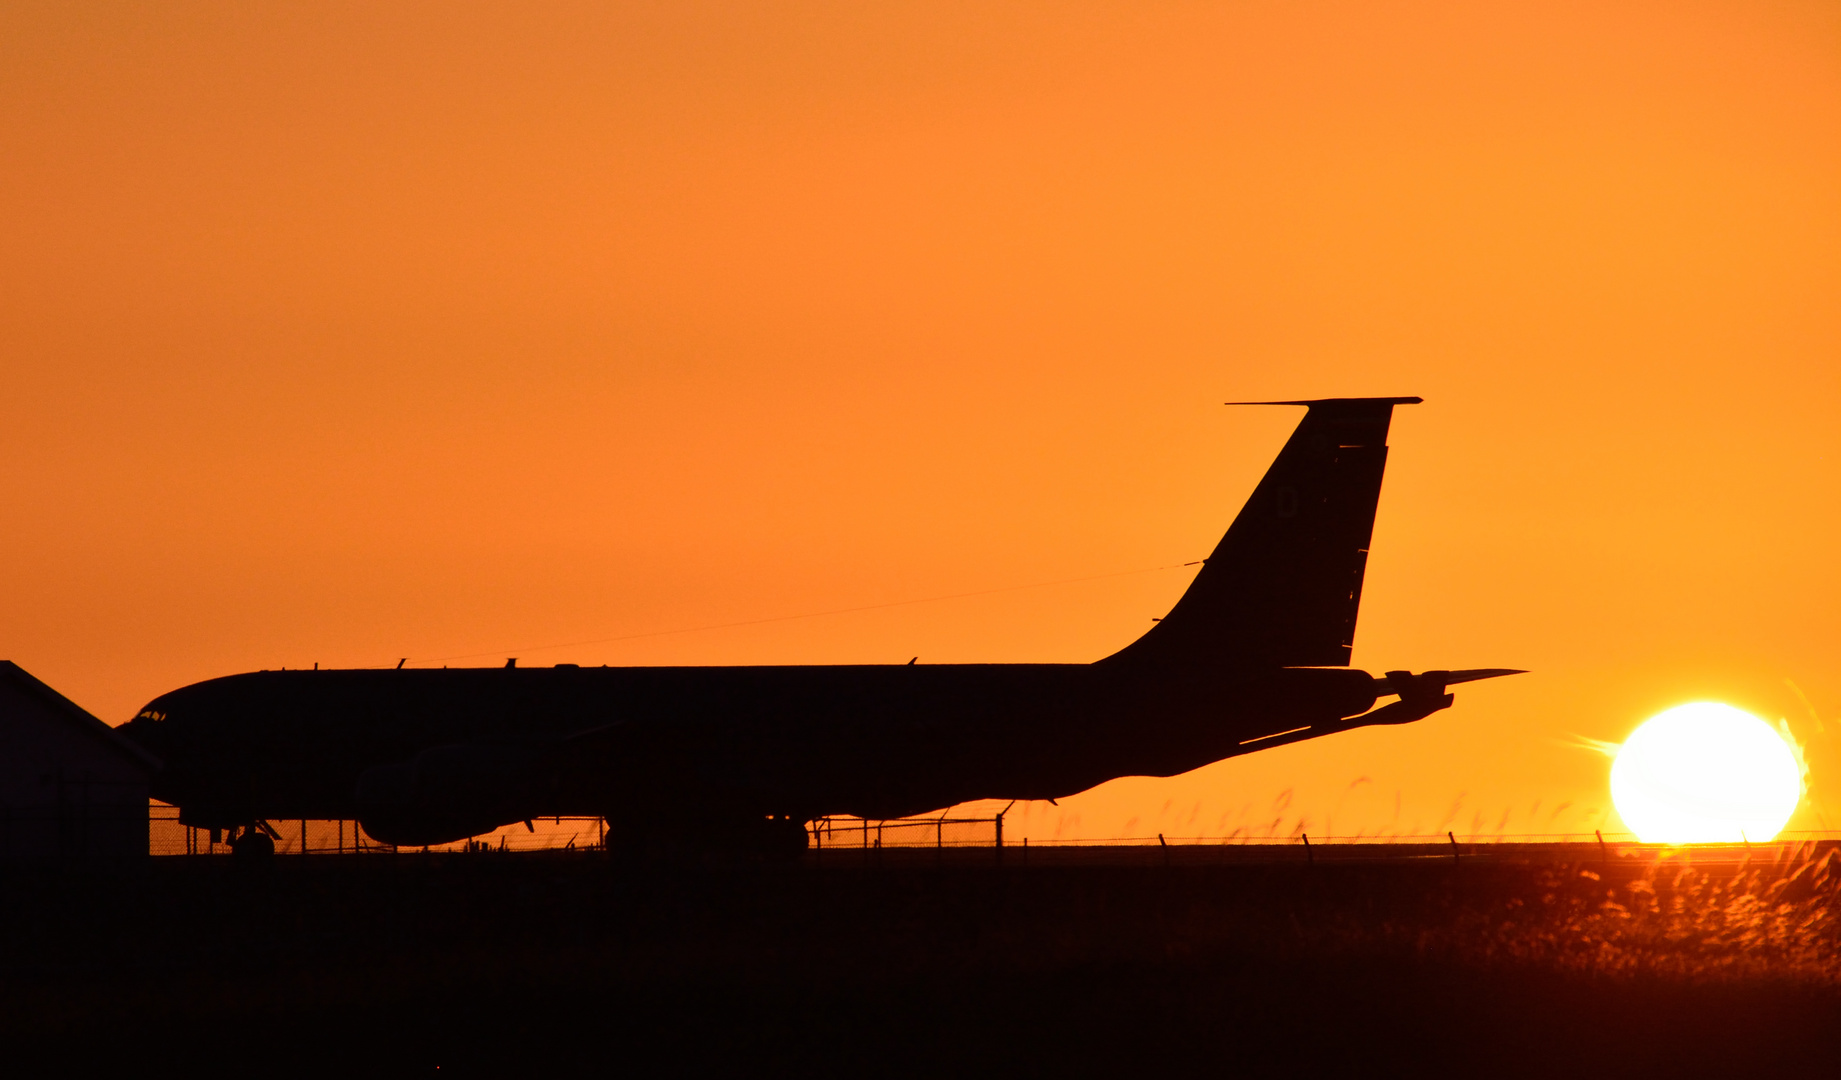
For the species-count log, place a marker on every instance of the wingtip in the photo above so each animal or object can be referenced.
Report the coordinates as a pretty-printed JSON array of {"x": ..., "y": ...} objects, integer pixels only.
[
  {"x": 1474, "y": 674},
  {"x": 1453, "y": 678},
  {"x": 1338, "y": 401}
]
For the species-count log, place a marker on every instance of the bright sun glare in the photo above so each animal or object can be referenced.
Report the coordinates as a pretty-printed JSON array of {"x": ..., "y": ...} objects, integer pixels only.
[{"x": 1705, "y": 773}]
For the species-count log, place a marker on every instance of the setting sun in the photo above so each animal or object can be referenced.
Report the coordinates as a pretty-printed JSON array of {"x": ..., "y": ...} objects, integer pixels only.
[{"x": 1705, "y": 773}]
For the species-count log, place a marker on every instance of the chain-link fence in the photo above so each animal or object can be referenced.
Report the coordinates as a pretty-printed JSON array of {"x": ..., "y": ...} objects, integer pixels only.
[
  {"x": 294, "y": 836},
  {"x": 167, "y": 836},
  {"x": 933, "y": 832}
]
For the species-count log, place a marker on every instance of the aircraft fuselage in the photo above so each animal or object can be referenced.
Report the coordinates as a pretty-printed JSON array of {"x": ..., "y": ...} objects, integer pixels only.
[{"x": 878, "y": 741}]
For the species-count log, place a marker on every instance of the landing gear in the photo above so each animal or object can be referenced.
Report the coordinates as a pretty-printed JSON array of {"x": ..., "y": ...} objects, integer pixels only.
[
  {"x": 783, "y": 839},
  {"x": 251, "y": 845},
  {"x": 767, "y": 837}
]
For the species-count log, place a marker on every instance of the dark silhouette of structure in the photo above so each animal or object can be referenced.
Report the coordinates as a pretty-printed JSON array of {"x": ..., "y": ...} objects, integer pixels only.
[
  {"x": 1252, "y": 656},
  {"x": 70, "y": 786}
]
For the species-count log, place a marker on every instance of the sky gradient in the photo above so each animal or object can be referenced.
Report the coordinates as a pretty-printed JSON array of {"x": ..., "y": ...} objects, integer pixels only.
[{"x": 336, "y": 334}]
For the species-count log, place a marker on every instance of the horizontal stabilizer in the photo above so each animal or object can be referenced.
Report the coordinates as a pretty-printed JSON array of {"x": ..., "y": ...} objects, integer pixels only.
[
  {"x": 1384, "y": 685},
  {"x": 1332, "y": 401}
]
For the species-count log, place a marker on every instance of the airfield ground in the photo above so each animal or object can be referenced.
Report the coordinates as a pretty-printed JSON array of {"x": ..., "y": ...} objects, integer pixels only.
[{"x": 1538, "y": 961}]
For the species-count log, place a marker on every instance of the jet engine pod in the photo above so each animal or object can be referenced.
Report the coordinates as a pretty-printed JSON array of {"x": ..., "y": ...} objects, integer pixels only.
[{"x": 448, "y": 793}]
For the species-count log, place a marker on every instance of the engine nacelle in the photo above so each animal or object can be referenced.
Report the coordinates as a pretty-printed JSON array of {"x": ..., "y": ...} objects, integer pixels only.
[{"x": 448, "y": 793}]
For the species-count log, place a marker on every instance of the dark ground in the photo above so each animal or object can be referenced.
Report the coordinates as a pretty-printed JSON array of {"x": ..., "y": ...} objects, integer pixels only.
[{"x": 1122, "y": 963}]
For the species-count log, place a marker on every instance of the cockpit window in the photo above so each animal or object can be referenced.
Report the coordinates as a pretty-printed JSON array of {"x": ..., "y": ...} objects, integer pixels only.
[{"x": 151, "y": 714}]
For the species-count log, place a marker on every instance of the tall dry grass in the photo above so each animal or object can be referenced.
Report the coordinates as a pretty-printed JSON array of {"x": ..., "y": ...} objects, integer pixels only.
[{"x": 1777, "y": 919}]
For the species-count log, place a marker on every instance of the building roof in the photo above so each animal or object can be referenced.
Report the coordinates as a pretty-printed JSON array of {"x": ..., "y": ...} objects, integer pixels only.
[{"x": 69, "y": 712}]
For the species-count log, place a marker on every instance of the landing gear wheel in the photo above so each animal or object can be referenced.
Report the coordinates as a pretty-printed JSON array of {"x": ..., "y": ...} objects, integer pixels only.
[
  {"x": 252, "y": 846},
  {"x": 787, "y": 839},
  {"x": 774, "y": 838},
  {"x": 725, "y": 838}
]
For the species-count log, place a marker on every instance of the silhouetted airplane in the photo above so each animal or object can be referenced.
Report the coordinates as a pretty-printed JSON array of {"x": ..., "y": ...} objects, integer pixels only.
[{"x": 1253, "y": 656}]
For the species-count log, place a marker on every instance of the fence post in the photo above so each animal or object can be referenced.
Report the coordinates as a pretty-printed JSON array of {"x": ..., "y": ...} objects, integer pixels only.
[{"x": 1453, "y": 839}]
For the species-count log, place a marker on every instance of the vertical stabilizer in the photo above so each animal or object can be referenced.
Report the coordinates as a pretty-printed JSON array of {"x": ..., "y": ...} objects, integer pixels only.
[{"x": 1283, "y": 586}]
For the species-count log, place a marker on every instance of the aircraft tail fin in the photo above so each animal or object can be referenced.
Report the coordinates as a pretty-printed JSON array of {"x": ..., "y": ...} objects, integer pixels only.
[{"x": 1283, "y": 586}]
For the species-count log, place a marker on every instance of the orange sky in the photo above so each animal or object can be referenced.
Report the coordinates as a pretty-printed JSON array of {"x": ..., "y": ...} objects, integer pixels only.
[{"x": 340, "y": 335}]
